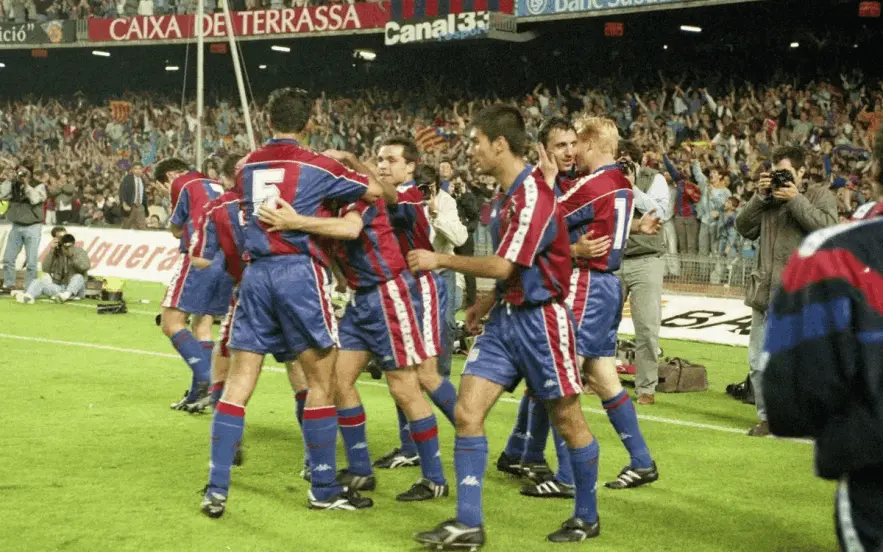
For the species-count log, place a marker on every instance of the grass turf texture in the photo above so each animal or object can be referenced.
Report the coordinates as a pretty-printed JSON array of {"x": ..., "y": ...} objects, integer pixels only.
[{"x": 93, "y": 459}]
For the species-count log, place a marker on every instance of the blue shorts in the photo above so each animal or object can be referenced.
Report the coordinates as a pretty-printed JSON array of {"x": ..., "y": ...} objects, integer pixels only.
[
  {"x": 224, "y": 334},
  {"x": 202, "y": 291},
  {"x": 284, "y": 305},
  {"x": 430, "y": 300},
  {"x": 383, "y": 320},
  {"x": 534, "y": 343},
  {"x": 596, "y": 302}
]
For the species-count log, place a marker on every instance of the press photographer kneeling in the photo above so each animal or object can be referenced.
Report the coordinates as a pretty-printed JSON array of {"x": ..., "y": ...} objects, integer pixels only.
[{"x": 64, "y": 271}]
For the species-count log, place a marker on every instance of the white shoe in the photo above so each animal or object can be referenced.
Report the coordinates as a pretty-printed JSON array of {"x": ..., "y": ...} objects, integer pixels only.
[
  {"x": 23, "y": 298},
  {"x": 62, "y": 297}
]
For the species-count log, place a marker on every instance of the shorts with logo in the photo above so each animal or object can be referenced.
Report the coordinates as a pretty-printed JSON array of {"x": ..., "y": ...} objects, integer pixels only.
[
  {"x": 596, "y": 302},
  {"x": 430, "y": 300},
  {"x": 224, "y": 334},
  {"x": 284, "y": 305},
  {"x": 202, "y": 291},
  {"x": 383, "y": 320},
  {"x": 535, "y": 343}
]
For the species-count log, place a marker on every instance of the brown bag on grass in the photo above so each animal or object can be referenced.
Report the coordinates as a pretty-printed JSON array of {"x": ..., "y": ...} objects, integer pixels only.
[{"x": 677, "y": 375}]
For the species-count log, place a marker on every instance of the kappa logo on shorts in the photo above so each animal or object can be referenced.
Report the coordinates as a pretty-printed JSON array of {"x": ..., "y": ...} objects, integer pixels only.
[
  {"x": 550, "y": 383},
  {"x": 473, "y": 355},
  {"x": 193, "y": 360}
]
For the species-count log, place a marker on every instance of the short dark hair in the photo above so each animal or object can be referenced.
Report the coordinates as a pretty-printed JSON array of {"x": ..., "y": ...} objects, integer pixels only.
[
  {"x": 228, "y": 169},
  {"x": 409, "y": 148},
  {"x": 137, "y": 164},
  {"x": 164, "y": 167},
  {"x": 795, "y": 154},
  {"x": 553, "y": 123},
  {"x": 503, "y": 121},
  {"x": 58, "y": 230},
  {"x": 631, "y": 150},
  {"x": 68, "y": 239},
  {"x": 290, "y": 110},
  {"x": 426, "y": 176}
]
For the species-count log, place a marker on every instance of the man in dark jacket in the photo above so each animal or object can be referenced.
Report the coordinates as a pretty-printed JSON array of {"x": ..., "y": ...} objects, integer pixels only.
[
  {"x": 65, "y": 268},
  {"x": 468, "y": 206},
  {"x": 133, "y": 199},
  {"x": 779, "y": 219},
  {"x": 824, "y": 367}
]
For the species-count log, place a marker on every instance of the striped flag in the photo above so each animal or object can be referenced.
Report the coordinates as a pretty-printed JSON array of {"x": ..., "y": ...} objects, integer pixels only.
[
  {"x": 120, "y": 110},
  {"x": 419, "y": 9},
  {"x": 429, "y": 139}
]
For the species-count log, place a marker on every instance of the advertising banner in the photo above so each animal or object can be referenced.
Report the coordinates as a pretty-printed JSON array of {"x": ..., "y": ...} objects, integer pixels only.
[
  {"x": 46, "y": 32},
  {"x": 559, "y": 9},
  {"x": 434, "y": 29},
  {"x": 150, "y": 256},
  {"x": 128, "y": 254},
  {"x": 338, "y": 18},
  {"x": 705, "y": 319}
]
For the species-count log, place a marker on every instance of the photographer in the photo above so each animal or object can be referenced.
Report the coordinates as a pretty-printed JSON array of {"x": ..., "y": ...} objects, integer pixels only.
[
  {"x": 64, "y": 271},
  {"x": 26, "y": 196},
  {"x": 780, "y": 215},
  {"x": 449, "y": 233}
]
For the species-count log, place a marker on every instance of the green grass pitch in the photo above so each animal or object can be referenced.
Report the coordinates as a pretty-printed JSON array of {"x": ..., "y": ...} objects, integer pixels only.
[{"x": 93, "y": 459}]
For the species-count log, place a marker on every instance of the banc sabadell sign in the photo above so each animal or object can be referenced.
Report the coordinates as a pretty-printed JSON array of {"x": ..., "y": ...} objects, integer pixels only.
[{"x": 534, "y": 8}]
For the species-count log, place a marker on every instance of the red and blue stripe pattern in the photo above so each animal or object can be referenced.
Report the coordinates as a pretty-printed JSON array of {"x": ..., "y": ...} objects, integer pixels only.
[
  {"x": 419, "y": 9},
  {"x": 824, "y": 348}
]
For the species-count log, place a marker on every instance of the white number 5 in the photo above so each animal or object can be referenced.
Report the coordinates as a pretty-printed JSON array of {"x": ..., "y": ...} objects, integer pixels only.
[
  {"x": 263, "y": 187},
  {"x": 623, "y": 222}
]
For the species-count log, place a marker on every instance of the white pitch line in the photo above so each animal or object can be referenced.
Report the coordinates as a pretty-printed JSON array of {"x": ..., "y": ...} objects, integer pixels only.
[{"x": 670, "y": 421}]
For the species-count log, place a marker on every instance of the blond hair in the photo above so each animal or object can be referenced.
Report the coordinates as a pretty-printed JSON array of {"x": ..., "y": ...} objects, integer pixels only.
[{"x": 600, "y": 131}]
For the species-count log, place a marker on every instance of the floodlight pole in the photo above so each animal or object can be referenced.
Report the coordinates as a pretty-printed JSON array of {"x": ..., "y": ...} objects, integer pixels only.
[
  {"x": 200, "y": 80},
  {"x": 237, "y": 69}
]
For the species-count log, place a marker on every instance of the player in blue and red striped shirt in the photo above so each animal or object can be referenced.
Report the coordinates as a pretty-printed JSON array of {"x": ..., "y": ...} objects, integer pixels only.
[
  {"x": 381, "y": 319},
  {"x": 598, "y": 204},
  {"x": 222, "y": 229},
  {"x": 397, "y": 161},
  {"x": 201, "y": 294},
  {"x": 284, "y": 299},
  {"x": 530, "y": 333}
]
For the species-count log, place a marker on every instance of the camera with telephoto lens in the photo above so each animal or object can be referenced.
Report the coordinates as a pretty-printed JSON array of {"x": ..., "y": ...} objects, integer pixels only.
[{"x": 781, "y": 179}]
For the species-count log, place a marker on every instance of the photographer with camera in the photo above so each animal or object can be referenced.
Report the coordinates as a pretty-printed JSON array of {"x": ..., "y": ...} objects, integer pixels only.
[
  {"x": 779, "y": 216},
  {"x": 65, "y": 268},
  {"x": 26, "y": 195}
]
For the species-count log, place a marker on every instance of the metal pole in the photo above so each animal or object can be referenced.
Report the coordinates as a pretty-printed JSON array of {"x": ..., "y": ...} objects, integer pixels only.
[
  {"x": 237, "y": 69},
  {"x": 200, "y": 80}
]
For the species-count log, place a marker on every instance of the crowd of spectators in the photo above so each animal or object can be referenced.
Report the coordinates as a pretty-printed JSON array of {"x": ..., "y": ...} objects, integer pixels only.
[{"x": 711, "y": 143}]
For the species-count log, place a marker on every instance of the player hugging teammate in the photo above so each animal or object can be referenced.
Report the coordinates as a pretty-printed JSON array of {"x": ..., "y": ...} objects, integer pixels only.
[{"x": 294, "y": 214}]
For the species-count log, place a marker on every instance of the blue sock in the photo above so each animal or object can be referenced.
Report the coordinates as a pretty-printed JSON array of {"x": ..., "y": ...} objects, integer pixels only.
[
  {"x": 518, "y": 439},
  {"x": 205, "y": 366},
  {"x": 565, "y": 470},
  {"x": 228, "y": 424},
  {"x": 408, "y": 447},
  {"x": 445, "y": 397},
  {"x": 584, "y": 462},
  {"x": 537, "y": 432},
  {"x": 355, "y": 440},
  {"x": 622, "y": 415},
  {"x": 320, "y": 433},
  {"x": 300, "y": 399},
  {"x": 470, "y": 463},
  {"x": 191, "y": 351},
  {"x": 425, "y": 434}
]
